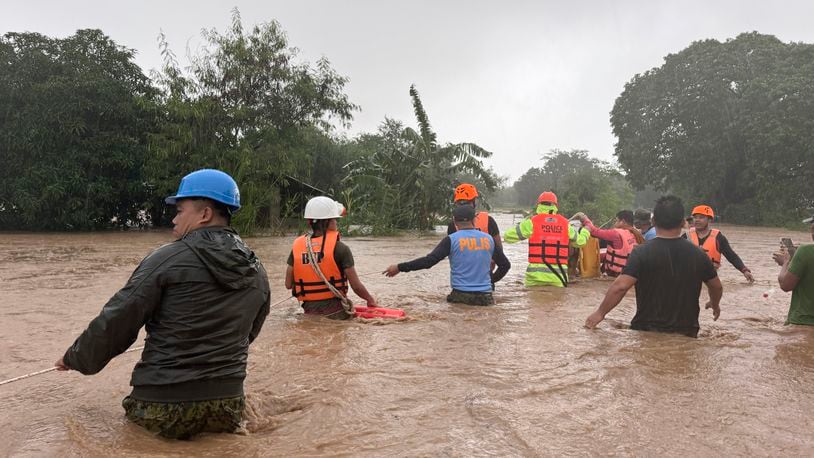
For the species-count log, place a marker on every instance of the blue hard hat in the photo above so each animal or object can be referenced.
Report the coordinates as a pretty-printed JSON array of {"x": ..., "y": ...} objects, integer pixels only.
[{"x": 209, "y": 183}]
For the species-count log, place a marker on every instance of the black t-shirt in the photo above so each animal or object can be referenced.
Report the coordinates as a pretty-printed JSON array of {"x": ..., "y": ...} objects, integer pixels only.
[{"x": 669, "y": 275}]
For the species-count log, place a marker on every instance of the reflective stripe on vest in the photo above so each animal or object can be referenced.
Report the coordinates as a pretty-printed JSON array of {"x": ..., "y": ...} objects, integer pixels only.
[
  {"x": 307, "y": 284},
  {"x": 710, "y": 245},
  {"x": 616, "y": 259},
  {"x": 481, "y": 222},
  {"x": 540, "y": 269},
  {"x": 549, "y": 239}
]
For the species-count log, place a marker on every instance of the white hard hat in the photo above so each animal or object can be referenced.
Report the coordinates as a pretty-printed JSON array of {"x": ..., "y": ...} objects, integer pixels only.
[{"x": 323, "y": 208}]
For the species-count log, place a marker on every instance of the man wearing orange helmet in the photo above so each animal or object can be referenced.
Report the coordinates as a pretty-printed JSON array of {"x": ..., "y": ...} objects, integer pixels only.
[
  {"x": 713, "y": 242},
  {"x": 467, "y": 194},
  {"x": 549, "y": 236}
]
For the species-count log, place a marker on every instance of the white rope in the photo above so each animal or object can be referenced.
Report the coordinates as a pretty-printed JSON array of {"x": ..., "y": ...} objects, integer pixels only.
[
  {"x": 311, "y": 256},
  {"x": 346, "y": 304},
  {"x": 281, "y": 301},
  {"x": 52, "y": 369}
]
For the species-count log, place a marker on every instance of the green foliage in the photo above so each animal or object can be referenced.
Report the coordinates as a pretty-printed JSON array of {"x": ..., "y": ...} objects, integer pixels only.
[
  {"x": 405, "y": 180},
  {"x": 724, "y": 124},
  {"x": 249, "y": 108},
  {"x": 581, "y": 183},
  {"x": 74, "y": 118}
]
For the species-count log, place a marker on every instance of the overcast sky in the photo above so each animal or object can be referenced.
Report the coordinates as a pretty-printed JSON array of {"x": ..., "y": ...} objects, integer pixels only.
[{"x": 517, "y": 78}]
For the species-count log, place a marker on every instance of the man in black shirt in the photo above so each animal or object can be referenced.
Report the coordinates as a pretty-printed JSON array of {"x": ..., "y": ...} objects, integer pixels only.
[{"x": 667, "y": 273}]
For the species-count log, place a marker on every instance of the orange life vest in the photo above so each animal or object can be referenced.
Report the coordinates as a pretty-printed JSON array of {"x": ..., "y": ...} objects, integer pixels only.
[
  {"x": 616, "y": 259},
  {"x": 481, "y": 222},
  {"x": 710, "y": 245},
  {"x": 549, "y": 240},
  {"x": 307, "y": 284}
]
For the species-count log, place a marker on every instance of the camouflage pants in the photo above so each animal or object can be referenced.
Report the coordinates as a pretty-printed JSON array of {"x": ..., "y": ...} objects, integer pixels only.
[
  {"x": 183, "y": 420},
  {"x": 471, "y": 298}
]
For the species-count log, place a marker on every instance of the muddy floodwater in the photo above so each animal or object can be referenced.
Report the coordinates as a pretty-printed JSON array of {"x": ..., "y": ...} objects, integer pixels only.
[{"x": 522, "y": 378}]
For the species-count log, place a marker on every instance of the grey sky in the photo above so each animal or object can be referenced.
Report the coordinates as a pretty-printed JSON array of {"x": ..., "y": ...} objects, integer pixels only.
[{"x": 517, "y": 78}]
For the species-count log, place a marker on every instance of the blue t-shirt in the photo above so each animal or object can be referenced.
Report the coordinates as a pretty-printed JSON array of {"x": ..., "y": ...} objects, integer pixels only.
[
  {"x": 650, "y": 234},
  {"x": 470, "y": 259}
]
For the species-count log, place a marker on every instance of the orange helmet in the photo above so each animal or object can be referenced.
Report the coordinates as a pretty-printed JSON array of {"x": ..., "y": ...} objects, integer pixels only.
[
  {"x": 465, "y": 191},
  {"x": 705, "y": 210},
  {"x": 547, "y": 196}
]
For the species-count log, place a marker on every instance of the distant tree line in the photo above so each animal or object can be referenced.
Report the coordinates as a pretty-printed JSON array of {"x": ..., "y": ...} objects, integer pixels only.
[
  {"x": 88, "y": 141},
  {"x": 726, "y": 124}
]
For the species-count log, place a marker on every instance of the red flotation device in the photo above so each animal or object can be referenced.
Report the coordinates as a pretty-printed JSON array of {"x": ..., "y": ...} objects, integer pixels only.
[{"x": 378, "y": 312}]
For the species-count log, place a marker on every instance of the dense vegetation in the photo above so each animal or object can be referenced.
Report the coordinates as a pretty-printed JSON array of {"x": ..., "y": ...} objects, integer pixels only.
[
  {"x": 88, "y": 141},
  {"x": 581, "y": 183},
  {"x": 728, "y": 124}
]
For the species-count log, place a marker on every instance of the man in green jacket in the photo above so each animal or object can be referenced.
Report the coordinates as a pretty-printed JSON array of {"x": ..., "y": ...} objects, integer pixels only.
[
  {"x": 549, "y": 236},
  {"x": 202, "y": 299}
]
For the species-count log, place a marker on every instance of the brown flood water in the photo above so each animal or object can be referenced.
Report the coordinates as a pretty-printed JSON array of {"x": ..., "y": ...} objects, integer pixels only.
[{"x": 522, "y": 378}]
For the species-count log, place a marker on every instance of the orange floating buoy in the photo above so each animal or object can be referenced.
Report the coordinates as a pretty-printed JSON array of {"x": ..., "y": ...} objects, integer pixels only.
[{"x": 378, "y": 312}]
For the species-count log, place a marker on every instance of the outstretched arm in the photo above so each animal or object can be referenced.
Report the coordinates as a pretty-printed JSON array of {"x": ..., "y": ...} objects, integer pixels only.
[
  {"x": 118, "y": 324},
  {"x": 358, "y": 287},
  {"x": 615, "y": 293},
  {"x": 438, "y": 253},
  {"x": 726, "y": 249},
  {"x": 521, "y": 231}
]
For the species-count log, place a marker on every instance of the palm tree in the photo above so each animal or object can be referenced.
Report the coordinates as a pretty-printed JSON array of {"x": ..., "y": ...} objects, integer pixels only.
[{"x": 409, "y": 177}]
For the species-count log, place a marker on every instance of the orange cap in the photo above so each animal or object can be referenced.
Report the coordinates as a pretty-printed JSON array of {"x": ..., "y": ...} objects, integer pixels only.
[
  {"x": 705, "y": 210},
  {"x": 465, "y": 191},
  {"x": 547, "y": 196}
]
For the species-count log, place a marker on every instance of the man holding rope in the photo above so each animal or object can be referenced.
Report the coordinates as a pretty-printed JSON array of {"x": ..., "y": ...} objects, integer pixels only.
[
  {"x": 202, "y": 299},
  {"x": 320, "y": 266}
]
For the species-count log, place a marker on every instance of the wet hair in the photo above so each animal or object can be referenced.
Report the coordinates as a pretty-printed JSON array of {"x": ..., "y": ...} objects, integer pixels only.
[
  {"x": 626, "y": 216},
  {"x": 668, "y": 213},
  {"x": 641, "y": 216},
  {"x": 218, "y": 208}
]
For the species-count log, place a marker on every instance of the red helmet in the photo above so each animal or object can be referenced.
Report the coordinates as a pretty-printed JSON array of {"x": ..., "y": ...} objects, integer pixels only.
[
  {"x": 705, "y": 210},
  {"x": 465, "y": 191},
  {"x": 547, "y": 196}
]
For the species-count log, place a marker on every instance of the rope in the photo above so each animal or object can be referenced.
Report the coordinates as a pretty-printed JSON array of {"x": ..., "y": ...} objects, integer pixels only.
[
  {"x": 52, "y": 369},
  {"x": 313, "y": 261},
  {"x": 310, "y": 253},
  {"x": 281, "y": 301}
]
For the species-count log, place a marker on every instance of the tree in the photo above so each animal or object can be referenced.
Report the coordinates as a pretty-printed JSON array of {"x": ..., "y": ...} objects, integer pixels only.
[
  {"x": 581, "y": 183},
  {"x": 407, "y": 179},
  {"x": 723, "y": 123},
  {"x": 248, "y": 107},
  {"x": 74, "y": 119}
]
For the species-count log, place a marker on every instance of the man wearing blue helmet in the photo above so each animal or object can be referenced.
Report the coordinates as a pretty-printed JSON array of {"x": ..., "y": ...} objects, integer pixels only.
[{"x": 202, "y": 300}]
